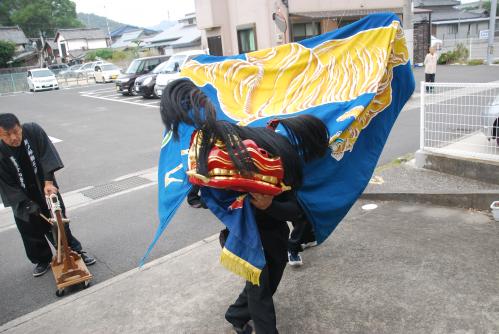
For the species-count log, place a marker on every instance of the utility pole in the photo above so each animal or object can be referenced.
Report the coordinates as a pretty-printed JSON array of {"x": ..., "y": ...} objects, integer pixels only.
[
  {"x": 42, "y": 42},
  {"x": 492, "y": 30},
  {"x": 108, "y": 31},
  {"x": 408, "y": 27}
]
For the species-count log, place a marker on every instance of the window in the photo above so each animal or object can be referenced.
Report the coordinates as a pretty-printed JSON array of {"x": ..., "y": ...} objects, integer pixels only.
[
  {"x": 246, "y": 40},
  {"x": 452, "y": 28},
  {"x": 152, "y": 63},
  {"x": 305, "y": 30}
]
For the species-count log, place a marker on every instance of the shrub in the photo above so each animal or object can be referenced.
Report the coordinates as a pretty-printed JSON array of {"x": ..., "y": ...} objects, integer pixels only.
[
  {"x": 120, "y": 55},
  {"x": 459, "y": 54},
  {"x": 444, "y": 58},
  {"x": 91, "y": 55},
  {"x": 475, "y": 62},
  {"x": 104, "y": 53},
  {"x": 7, "y": 50}
]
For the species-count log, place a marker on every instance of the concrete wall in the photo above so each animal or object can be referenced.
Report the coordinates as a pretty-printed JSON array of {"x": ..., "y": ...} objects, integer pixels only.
[
  {"x": 211, "y": 13},
  {"x": 224, "y": 17},
  {"x": 325, "y": 5}
]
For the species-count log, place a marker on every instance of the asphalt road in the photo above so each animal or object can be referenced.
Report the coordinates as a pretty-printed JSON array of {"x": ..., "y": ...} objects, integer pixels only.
[{"x": 106, "y": 136}]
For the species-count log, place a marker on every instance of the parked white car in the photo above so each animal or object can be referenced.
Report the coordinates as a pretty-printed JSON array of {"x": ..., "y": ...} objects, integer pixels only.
[
  {"x": 491, "y": 121},
  {"x": 171, "y": 71},
  {"x": 106, "y": 72},
  {"x": 88, "y": 70},
  {"x": 41, "y": 79}
]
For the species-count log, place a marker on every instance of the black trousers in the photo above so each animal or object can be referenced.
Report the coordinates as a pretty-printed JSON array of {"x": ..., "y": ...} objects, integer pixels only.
[
  {"x": 33, "y": 233},
  {"x": 302, "y": 233},
  {"x": 255, "y": 301},
  {"x": 429, "y": 77}
]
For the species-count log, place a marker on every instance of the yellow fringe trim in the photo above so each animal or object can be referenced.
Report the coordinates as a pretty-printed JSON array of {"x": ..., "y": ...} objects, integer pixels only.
[{"x": 240, "y": 267}]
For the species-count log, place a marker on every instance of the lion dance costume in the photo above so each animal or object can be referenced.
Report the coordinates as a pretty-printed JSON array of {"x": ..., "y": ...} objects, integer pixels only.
[{"x": 312, "y": 115}]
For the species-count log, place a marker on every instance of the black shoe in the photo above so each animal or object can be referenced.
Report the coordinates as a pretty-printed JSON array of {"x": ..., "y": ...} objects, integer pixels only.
[
  {"x": 247, "y": 329},
  {"x": 87, "y": 258},
  {"x": 195, "y": 203},
  {"x": 40, "y": 269}
]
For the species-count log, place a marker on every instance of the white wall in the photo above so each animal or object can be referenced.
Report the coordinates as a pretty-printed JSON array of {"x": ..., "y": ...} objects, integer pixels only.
[
  {"x": 76, "y": 44},
  {"x": 97, "y": 44},
  {"x": 79, "y": 44}
]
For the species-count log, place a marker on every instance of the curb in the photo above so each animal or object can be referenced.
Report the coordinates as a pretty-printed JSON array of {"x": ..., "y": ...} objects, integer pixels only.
[
  {"x": 477, "y": 201},
  {"x": 102, "y": 285}
]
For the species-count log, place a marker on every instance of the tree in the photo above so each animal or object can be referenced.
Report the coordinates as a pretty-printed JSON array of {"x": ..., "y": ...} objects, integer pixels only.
[
  {"x": 41, "y": 15},
  {"x": 7, "y": 50},
  {"x": 486, "y": 6}
]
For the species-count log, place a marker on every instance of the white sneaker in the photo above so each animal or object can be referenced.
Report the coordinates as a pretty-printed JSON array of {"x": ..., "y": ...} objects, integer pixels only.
[
  {"x": 309, "y": 244},
  {"x": 294, "y": 260}
]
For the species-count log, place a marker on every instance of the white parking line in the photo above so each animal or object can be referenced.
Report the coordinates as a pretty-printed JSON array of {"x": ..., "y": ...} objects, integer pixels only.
[
  {"x": 55, "y": 140},
  {"x": 155, "y": 103},
  {"x": 135, "y": 98},
  {"x": 121, "y": 101},
  {"x": 97, "y": 90},
  {"x": 114, "y": 96},
  {"x": 76, "y": 199}
]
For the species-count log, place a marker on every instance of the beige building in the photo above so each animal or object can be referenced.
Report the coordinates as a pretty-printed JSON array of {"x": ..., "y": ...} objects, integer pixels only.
[{"x": 236, "y": 26}]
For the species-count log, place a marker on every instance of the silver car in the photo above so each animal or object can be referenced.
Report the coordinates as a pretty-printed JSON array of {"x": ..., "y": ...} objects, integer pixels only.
[{"x": 491, "y": 121}]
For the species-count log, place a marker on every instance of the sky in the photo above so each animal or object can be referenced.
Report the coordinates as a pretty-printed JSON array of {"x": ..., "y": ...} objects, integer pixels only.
[{"x": 144, "y": 13}]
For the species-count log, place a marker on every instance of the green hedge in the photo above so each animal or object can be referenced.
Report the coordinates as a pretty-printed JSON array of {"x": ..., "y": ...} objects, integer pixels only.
[{"x": 102, "y": 54}]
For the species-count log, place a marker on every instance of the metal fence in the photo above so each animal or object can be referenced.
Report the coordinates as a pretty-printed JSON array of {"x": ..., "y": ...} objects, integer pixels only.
[
  {"x": 13, "y": 82},
  {"x": 477, "y": 47},
  {"x": 17, "y": 82},
  {"x": 460, "y": 119}
]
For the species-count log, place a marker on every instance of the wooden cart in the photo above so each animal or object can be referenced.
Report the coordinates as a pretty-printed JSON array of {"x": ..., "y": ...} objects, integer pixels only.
[{"x": 67, "y": 265}]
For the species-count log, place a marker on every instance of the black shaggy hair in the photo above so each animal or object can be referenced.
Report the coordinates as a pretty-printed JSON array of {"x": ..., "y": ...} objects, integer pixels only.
[
  {"x": 183, "y": 102},
  {"x": 308, "y": 138}
]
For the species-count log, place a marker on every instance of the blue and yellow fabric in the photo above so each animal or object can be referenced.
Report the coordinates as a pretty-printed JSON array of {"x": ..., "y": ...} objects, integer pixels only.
[{"x": 356, "y": 79}]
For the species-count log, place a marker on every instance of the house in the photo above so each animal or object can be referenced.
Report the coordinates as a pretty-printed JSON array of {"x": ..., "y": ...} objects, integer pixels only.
[
  {"x": 130, "y": 39},
  {"x": 233, "y": 27},
  {"x": 50, "y": 50},
  {"x": 120, "y": 31},
  {"x": 73, "y": 43},
  {"x": 25, "y": 51},
  {"x": 450, "y": 22},
  {"x": 182, "y": 37},
  {"x": 16, "y": 36}
]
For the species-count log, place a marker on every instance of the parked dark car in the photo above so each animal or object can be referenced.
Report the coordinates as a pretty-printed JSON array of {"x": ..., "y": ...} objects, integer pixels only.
[
  {"x": 138, "y": 67},
  {"x": 56, "y": 68},
  {"x": 144, "y": 85}
]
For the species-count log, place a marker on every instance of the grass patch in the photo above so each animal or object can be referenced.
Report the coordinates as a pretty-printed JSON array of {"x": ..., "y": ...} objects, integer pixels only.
[{"x": 395, "y": 163}]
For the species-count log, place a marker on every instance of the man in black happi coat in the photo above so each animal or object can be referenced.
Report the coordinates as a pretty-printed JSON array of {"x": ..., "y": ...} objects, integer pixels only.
[{"x": 28, "y": 160}]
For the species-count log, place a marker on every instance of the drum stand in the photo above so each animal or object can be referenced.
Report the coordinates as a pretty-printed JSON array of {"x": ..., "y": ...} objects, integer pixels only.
[{"x": 67, "y": 265}]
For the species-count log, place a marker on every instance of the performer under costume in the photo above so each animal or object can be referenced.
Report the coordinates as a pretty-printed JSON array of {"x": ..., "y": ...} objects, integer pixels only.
[
  {"x": 355, "y": 80},
  {"x": 228, "y": 161}
]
